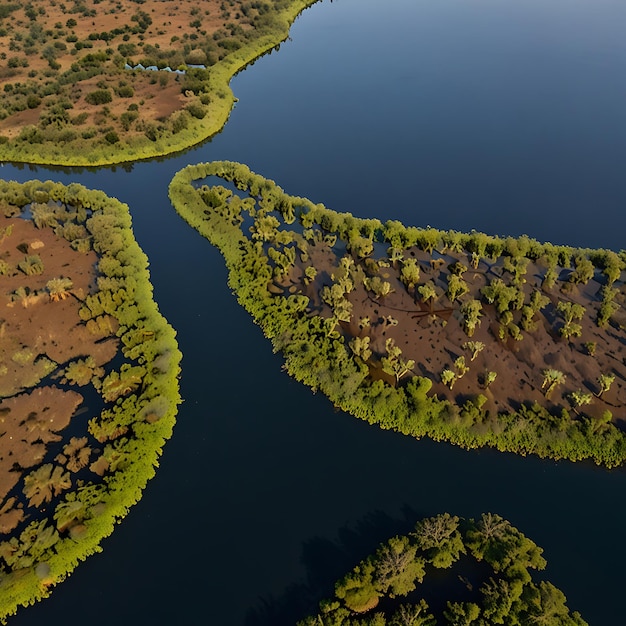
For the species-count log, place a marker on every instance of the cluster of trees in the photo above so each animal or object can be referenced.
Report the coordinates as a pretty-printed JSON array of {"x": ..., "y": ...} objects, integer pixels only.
[
  {"x": 323, "y": 354},
  {"x": 140, "y": 398},
  {"x": 102, "y": 136},
  {"x": 375, "y": 592}
]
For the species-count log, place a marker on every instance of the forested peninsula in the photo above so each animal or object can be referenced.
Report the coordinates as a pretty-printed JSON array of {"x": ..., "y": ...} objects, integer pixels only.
[
  {"x": 468, "y": 338},
  {"x": 480, "y": 572},
  {"x": 98, "y": 82},
  {"x": 88, "y": 381}
]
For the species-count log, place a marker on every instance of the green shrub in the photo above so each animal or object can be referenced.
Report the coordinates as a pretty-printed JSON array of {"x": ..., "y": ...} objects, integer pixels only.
[
  {"x": 126, "y": 91},
  {"x": 112, "y": 137},
  {"x": 33, "y": 101},
  {"x": 100, "y": 96},
  {"x": 197, "y": 110}
]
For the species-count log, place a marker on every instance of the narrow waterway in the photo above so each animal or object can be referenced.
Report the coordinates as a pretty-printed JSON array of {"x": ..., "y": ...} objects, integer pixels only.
[{"x": 503, "y": 117}]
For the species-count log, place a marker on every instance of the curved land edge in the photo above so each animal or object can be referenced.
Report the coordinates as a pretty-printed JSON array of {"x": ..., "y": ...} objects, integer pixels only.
[
  {"x": 484, "y": 577},
  {"x": 70, "y": 492},
  {"x": 204, "y": 116},
  {"x": 466, "y": 338}
]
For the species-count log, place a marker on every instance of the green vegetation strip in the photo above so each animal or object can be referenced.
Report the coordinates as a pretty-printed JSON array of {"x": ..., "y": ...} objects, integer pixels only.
[
  {"x": 497, "y": 319},
  {"x": 69, "y": 514},
  {"x": 384, "y": 589}
]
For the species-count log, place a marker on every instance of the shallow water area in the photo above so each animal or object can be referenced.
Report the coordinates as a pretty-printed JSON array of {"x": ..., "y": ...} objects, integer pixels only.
[{"x": 503, "y": 117}]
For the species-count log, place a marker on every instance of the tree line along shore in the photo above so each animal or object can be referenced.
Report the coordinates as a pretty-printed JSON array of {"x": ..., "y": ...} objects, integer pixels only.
[
  {"x": 89, "y": 391},
  {"x": 427, "y": 332},
  {"x": 468, "y": 338}
]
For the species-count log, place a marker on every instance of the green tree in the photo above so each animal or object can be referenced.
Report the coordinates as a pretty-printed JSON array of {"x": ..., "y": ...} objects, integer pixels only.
[
  {"x": 471, "y": 312},
  {"x": 544, "y": 604},
  {"x": 357, "y": 589},
  {"x": 68, "y": 513},
  {"x": 462, "y": 613},
  {"x": 265, "y": 228},
  {"x": 460, "y": 366},
  {"x": 457, "y": 287},
  {"x": 607, "y": 306},
  {"x": 378, "y": 286},
  {"x": 428, "y": 293},
  {"x": 551, "y": 380},
  {"x": 605, "y": 381},
  {"x": 59, "y": 288},
  {"x": 412, "y": 615},
  {"x": 43, "y": 215},
  {"x": 428, "y": 239},
  {"x": 448, "y": 377},
  {"x": 99, "y": 96},
  {"x": 580, "y": 398},
  {"x": 440, "y": 538},
  {"x": 360, "y": 346},
  {"x": 410, "y": 273},
  {"x": 583, "y": 270},
  {"x": 503, "y": 296},
  {"x": 498, "y": 598},
  {"x": 474, "y": 347},
  {"x": 489, "y": 377},
  {"x": 393, "y": 363},
  {"x": 397, "y": 567},
  {"x": 118, "y": 384}
]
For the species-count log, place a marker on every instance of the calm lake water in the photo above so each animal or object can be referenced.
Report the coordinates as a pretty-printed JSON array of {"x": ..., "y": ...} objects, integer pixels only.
[{"x": 506, "y": 117}]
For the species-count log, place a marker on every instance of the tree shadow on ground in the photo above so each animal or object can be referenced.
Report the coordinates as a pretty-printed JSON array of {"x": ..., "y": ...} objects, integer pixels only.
[{"x": 325, "y": 561}]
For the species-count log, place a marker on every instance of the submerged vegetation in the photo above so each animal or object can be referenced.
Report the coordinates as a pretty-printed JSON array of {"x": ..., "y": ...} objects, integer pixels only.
[
  {"x": 491, "y": 559},
  {"x": 70, "y": 96},
  {"x": 467, "y": 338},
  {"x": 88, "y": 381}
]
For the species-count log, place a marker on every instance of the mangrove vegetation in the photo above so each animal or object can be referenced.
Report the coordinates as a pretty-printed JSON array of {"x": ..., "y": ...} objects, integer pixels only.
[
  {"x": 88, "y": 381},
  {"x": 467, "y": 338},
  {"x": 484, "y": 574}
]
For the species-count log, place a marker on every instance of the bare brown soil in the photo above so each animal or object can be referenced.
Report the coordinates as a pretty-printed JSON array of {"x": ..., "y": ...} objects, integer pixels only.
[
  {"x": 39, "y": 333},
  {"x": 432, "y": 335},
  {"x": 39, "y": 46}
]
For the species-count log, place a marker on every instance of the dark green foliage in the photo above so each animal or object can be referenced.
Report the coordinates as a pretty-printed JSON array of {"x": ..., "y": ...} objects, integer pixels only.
[
  {"x": 125, "y": 91},
  {"x": 196, "y": 110},
  {"x": 6, "y": 9},
  {"x": 111, "y": 137},
  {"x": 33, "y": 101},
  {"x": 509, "y": 596},
  {"x": 100, "y": 96}
]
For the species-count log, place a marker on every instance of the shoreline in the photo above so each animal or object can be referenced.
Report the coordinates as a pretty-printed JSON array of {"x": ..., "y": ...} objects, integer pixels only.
[
  {"x": 221, "y": 106},
  {"x": 78, "y": 480},
  {"x": 505, "y": 343}
]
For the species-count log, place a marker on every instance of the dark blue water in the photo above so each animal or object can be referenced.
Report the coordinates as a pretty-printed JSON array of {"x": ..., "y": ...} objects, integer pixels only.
[{"x": 506, "y": 117}]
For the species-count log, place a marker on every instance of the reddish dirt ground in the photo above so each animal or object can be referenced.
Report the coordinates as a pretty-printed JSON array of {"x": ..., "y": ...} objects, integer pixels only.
[
  {"x": 170, "y": 29},
  {"x": 433, "y": 335},
  {"x": 39, "y": 334}
]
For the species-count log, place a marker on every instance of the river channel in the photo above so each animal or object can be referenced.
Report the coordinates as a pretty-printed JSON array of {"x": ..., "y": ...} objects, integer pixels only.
[{"x": 506, "y": 117}]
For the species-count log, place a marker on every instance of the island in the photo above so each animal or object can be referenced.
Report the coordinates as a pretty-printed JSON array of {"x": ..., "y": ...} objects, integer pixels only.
[
  {"x": 476, "y": 572},
  {"x": 473, "y": 339},
  {"x": 88, "y": 381},
  {"x": 96, "y": 82}
]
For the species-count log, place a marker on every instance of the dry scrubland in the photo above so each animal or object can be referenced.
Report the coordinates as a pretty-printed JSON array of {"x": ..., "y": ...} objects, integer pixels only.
[{"x": 68, "y": 99}]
